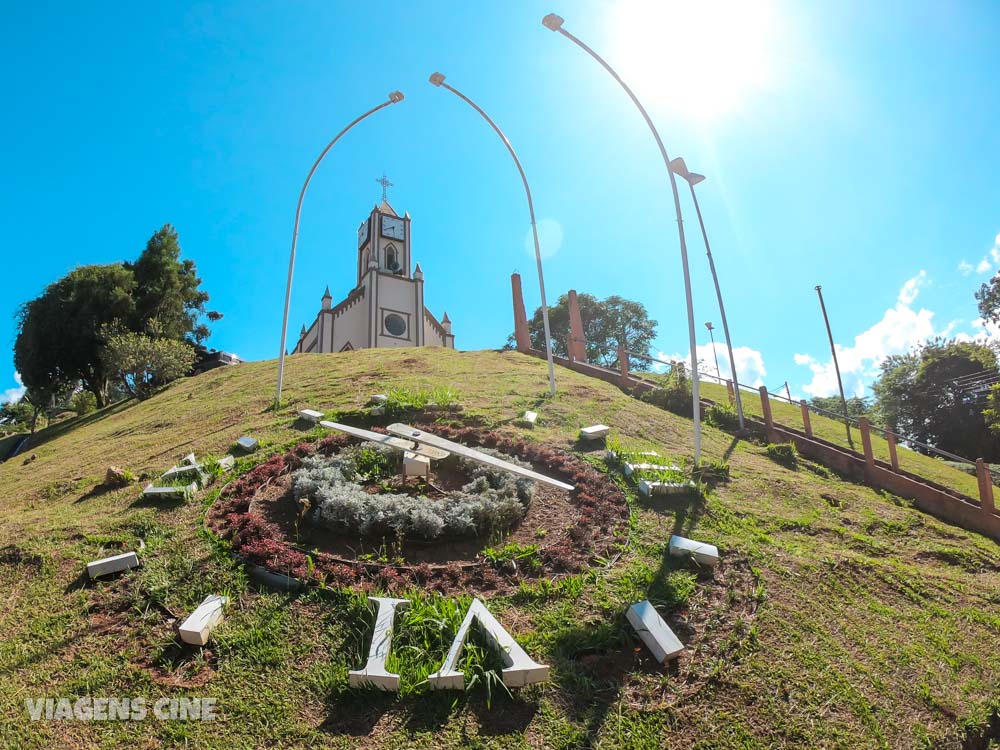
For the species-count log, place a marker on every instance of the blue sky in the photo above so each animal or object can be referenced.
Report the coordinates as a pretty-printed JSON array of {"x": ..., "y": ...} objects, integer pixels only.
[{"x": 849, "y": 144}]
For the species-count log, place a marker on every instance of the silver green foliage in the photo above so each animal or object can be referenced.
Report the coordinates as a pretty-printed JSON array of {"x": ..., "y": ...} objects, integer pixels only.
[{"x": 491, "y": 501}]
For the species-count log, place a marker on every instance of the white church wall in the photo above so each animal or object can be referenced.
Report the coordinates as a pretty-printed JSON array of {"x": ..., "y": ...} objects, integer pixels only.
[
  {"x": 396, "y": 299},
  {"x": 350, "y": 327}
]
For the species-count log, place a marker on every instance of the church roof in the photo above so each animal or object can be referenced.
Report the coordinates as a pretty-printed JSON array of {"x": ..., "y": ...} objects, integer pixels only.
[
  {"x": 326, "y": 294},
  {"x": 385, "y": 208}
]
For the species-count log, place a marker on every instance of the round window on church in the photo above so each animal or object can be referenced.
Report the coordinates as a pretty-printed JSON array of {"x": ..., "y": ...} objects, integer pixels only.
[{"x": 395, "y": 325}]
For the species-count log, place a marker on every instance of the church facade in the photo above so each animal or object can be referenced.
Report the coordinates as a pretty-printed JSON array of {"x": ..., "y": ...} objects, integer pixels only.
[{"x": 386, "y": 306}]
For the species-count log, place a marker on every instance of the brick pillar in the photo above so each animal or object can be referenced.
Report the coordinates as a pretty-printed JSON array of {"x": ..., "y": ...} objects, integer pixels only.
[
  {"x": 866, "y": 441},
  {"x": 623, "y": 363},
  {"x": 521, "y": 335},
  {"x": 577, "y": 341},
  {"x": 985, "y": 486},
  {"x": 893, "y": 458},
  {"x": 765, "y": 406},
  {"x": 806, "y": 424},
  {"x": 731, "y": 392}
]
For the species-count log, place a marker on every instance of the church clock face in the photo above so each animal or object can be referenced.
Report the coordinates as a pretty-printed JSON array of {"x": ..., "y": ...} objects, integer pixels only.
[
  {"x": 363, "y": 233},
  {"x": 392, "y": 227}
]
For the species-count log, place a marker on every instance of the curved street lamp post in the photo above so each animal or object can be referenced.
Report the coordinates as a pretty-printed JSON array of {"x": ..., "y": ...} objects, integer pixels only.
[
  {"x": 394, "y": 97},
  {"x": 438, "y": 80},
  {"x": 693, "y": 178},
  {"x": 554, "y": 22}
]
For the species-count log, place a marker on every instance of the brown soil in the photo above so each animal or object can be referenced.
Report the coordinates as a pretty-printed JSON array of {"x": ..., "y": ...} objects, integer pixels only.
[{"x": 549, "y": 516}]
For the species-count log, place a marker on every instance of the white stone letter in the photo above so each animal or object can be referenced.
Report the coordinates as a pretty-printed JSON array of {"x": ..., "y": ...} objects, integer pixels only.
[
  {"x": 374, "y": 673},
  {"x": 519, "y": 669}
]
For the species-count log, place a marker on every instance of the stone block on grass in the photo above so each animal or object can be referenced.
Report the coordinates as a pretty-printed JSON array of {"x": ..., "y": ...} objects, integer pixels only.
[
  {"x": 113, "y": 564},
  {"x": 198, "y": 627},
  {"x": 594, "y": 432},
  {"x": 530, "y": 417},
  {"x": 247, "y": 443},
  {"x": 654, "y": 632},
  {"x": 700, "y": 552},
  {"x": 310, "y": 415}
]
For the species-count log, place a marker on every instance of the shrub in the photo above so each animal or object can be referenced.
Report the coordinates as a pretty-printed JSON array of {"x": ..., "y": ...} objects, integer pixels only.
[
  {"x": 711, "y": 472},
  {"x": 783, "y": 453},
  {"x": 491, "y": 501},
  {"x": 83, "y": 403},
  {"x": 673, "y": 395},
  {"x": 723, "y": 417}
]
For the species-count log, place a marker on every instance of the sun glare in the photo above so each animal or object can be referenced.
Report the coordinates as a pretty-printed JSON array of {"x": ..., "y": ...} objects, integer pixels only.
[{"x": 704, "y": 58}]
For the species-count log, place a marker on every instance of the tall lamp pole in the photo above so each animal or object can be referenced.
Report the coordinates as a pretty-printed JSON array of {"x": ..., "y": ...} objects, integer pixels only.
[
  {"x": 394, "y": 97},
  {"x": 438, "y": 80},
  {"x": 693, "y": 178},
  {"x": 836, "y": 366},
  {"x": 711, "y": 335},
  {"x": 554, "y": 22}
]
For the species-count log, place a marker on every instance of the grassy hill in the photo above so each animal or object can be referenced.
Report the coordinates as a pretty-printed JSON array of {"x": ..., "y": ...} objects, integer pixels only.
[{"x": 840, "y": 616}]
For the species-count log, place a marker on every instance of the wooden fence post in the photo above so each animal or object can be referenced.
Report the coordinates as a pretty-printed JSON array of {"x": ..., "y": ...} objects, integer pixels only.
[
  {"x": 866, "y": 442},
  {"x": 806, "y": 424},
  {"x": 765, "y": 406},
  {"x": 985, "y": 486},
  {"x": 729, "y": 390},
  {"x": 893, "y": 458}
]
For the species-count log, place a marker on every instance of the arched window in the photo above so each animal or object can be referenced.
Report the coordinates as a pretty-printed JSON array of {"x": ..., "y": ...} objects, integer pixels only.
[{"x": 391, "y": 259}]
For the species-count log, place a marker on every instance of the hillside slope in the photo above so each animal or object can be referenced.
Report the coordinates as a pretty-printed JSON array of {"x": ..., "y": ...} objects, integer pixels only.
[{"x": 840, "y": 617}]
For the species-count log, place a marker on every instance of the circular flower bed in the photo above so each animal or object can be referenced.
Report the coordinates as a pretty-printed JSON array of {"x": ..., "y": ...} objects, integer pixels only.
[
  {"x": 558, "y": 532},
  {"x": 337, "y": 492}
]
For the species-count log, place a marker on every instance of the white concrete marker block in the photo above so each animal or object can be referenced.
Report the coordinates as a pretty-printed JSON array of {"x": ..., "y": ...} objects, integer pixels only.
[
  {"x": 199, "y": 625},
  {"x": 310, "y": 415},
  {"x": 648, "y": 488},
  {"x": 188, "y": 460},
  {"x": 227, "y": 462},
  {"x": 530, "y": 417},
  {"x": 113, "y": 564},
  {"x": 377, "y": 411},
  {"x": 595, "y": 432},
  {"x": 416, "y": 466},
  {"x": 374, "y": 674},
  {"x": 653, "y": 631},
  {"x": 247, "y": 443},
  {"x": 170, "y": 493},
  {"x": 379, "y": 398},
  {"x": 519, "y": 669},
  {"x": 703, "y": 554},
  {"x": 184, "y": 470}
]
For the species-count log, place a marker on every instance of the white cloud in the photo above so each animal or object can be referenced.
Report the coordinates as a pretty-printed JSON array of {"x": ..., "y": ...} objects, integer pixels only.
[
  {"x": 984, "y": 266},
  {"x": 750, "y": 368},
  {"x": 965, "y": 268},
  {"x": 984, "y": 332},
  {"x": 550, "y": 238},
  {"x": 13, "y": 395},
  {"x": 900, "y": 329}
]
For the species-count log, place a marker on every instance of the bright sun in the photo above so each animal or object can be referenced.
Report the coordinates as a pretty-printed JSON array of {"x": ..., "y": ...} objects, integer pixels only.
[{"x": 704, "y": 58}]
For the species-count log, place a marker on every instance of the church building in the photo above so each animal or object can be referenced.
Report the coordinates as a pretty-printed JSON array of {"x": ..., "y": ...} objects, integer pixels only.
[{"x": 386, "y": 306}]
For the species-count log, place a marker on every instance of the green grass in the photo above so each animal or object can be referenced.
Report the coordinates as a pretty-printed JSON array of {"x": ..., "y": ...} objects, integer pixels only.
[{"x": 840, "y": 616}]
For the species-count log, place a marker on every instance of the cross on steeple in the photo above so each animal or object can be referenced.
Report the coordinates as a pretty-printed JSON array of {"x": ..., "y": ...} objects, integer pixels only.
[{"x": 384, "y": 182}]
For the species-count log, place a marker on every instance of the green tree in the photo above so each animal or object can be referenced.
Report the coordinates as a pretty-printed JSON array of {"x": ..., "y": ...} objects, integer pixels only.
[
  {"x": 988, "y": 297},
  {"x": 58, "y": 338},
  {"x": 922, "y": 395},
  {"x": 168, "y": 290},
  {"x": 856, "y": 406},
  {"x": 606, "y": 323},
  {"x": 142, "y": 363}
]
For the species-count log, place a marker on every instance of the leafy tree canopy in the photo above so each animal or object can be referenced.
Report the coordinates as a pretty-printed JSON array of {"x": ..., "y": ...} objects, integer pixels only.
[
  {"x": 59, "y": 340},
  {"x": 856, "y": 406},
  {"x": 606, "y": 323},
  {"x": 924, "y": 395},
  {"x": 142, "y": 363}
]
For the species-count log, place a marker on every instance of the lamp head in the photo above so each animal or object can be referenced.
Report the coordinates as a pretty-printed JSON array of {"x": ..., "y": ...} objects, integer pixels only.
[
  {"x": 818, "y": 287},
  {"x": 694, "y": 178},
  {"x": 436, "y": 78},
  {"x": 395, "y": 97},
  {"x": 709, "y": 326},
  {"x": 552, "y": 22},
  {"x": 679, "y": 168}
]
